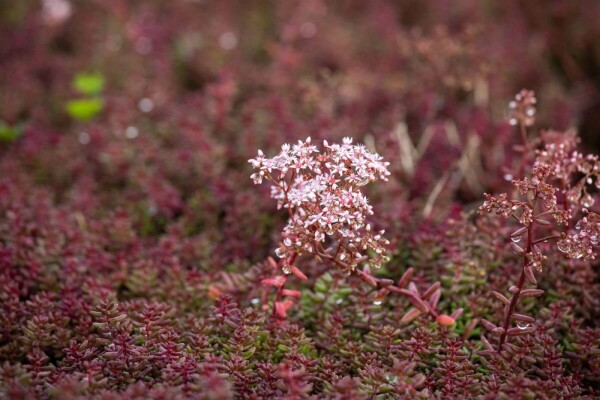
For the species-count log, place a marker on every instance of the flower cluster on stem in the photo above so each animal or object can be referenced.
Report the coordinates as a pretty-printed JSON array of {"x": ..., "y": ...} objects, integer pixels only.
[
  {"x": 328, "y": 219},
  {"x": 557, "y": 169},
  {"x": 327, "y": 211}
]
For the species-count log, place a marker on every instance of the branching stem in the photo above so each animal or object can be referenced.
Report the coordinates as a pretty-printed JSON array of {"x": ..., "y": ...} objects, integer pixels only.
[{"x": 520, "y": 284}]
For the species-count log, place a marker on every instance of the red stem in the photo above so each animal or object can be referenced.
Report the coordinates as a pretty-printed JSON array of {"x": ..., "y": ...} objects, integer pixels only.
[
  {"x": 546, "y": 238},
  {"x": 515, "y": 298},
  {"x": 278, "y": 295},
  {"x": 525, "y": 149}
]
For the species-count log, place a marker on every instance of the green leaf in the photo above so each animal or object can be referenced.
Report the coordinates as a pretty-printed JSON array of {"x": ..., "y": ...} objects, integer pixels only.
[
  {"x": 89, "y": 83},
  {"x": 8, "y": 133},
  {"x": 283, "y": 348},
  {"x": 84, "y": 109},
  {"x": 323, "y": 284},
  {"x": 249, "y": 353}
]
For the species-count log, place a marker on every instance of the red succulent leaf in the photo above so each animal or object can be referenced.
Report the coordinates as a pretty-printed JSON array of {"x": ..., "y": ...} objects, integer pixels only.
[
  {"x": 298, "y": 273},
  {"x": 445, "y": 320},
  {"x": 281, "y": 307},
  {"x": 276, "y": 281},
  {"x": 291, "y": 293}
]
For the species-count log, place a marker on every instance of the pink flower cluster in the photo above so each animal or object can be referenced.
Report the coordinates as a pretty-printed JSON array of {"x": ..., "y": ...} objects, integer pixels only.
[
  {"x": 580, "y": 244},
  {"x": 557, "y": 162},
  {"x": 523, "y": 211},
  {"x": 560, "y": 154},
  {"x": 522, "y": 108},
  {"x": 327, "y": 210}
]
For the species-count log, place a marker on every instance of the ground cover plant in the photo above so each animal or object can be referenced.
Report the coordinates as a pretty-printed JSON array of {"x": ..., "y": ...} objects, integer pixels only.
[{"x": 300, "y": 199}]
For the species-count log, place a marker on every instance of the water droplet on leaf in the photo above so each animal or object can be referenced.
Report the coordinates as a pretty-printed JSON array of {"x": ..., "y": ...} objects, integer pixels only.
[
  {"x": 587, "y": 200},
  {"x": 562, "y": 246}
]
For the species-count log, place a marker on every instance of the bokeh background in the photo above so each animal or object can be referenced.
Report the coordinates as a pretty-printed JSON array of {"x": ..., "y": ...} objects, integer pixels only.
[
  {"x": 127, "y": 210},
  {"x": 155, "y": 106}
]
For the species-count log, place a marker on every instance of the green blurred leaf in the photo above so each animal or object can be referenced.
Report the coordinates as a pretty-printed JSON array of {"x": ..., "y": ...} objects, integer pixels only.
[
  {"x": 283, "y": 348},
  {"x": 89, "y": 83},
  {"x": 8, "y": 133},
  {"x": 85, "y": 109},
  {"x": 323, "y": 284},
  {"x": 249, "y": 353}
]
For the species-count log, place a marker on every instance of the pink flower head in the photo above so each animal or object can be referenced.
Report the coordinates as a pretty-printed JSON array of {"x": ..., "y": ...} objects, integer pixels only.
[
  {"x": 321, "y": 190},
  {"x": 581, "y": 243},
  {"x": 522, "y": 108}
]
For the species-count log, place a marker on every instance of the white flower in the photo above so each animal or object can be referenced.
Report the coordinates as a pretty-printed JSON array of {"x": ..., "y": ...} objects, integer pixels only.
[{"x": 324, "y": 197}]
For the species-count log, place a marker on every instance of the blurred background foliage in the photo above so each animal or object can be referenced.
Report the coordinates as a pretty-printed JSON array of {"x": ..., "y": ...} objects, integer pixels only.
[{"x": 125, "y": 130}]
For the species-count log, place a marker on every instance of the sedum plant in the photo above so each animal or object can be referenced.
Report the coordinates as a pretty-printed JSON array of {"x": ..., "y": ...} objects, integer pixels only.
[
  {"x": 327, "y": 211},
  {"x": 328, "y": 219},
  {"x": 134, "y": 250},
  {"x": 546, "y": 202}
]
